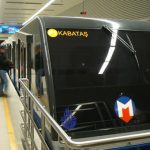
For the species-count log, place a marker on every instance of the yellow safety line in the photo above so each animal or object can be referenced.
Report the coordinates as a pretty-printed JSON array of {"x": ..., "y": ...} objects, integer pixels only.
[{"x": 11, "y": 134}]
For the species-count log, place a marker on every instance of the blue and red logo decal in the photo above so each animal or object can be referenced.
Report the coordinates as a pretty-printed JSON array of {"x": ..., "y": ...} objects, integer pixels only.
[{"x": 125, "y": 108}]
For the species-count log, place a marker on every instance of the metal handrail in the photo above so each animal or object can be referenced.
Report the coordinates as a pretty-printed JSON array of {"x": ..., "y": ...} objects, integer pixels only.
[{"x": 87, "y": 143}]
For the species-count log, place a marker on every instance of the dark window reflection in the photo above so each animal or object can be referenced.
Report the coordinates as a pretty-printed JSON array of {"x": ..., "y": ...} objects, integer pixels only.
[
  {"x": 39, "y": 70},
  {"x": 39, "y": 86},
  {"x": 76, "y": 61},
  {"x": 76, "y": 64}
]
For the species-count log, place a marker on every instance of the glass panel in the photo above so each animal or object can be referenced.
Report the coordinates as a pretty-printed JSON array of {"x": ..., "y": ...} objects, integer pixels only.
[
  {"x": 99, "y": 69},
  {"x": 77, "y": 61},
  {"x": 38, "y": 79},
  {"x": 38, "y": 76}
]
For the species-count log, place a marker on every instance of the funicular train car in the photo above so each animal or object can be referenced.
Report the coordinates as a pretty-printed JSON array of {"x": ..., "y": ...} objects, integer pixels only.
[{"x": 92, "y": 75}]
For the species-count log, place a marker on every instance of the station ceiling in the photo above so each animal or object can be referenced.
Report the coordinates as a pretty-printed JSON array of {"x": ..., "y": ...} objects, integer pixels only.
[{"x": 18, "y": 11}]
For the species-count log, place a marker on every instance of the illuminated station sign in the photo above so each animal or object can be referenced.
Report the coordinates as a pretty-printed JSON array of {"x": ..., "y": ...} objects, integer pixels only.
[{"x": 8, "y": 29}]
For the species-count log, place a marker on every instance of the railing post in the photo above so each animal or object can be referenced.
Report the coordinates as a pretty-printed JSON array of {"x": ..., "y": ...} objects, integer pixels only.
[
  {"x": 69, "y": 143},
  {"x": 30, "y": 105},
  {"x": 25, "y": 115},
  {"x": 42, "y": 130},
  {"x": 31, "y": 125}
]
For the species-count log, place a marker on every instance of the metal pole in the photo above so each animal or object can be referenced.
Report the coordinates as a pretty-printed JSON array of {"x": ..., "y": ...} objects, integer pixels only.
[
  {"x": 42, "y": 130},
  {"x": 87, "y": 143},
  {"x": 32, "y": 126}
]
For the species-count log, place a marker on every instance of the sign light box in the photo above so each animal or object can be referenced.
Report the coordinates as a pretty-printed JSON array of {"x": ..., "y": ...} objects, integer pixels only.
[{"x": 8, "y": 29}]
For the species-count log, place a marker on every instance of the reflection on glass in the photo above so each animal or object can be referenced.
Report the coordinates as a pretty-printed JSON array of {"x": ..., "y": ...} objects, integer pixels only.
[
  {"x": 39, "y": 70},
  {"x": 110, "y": 52}
]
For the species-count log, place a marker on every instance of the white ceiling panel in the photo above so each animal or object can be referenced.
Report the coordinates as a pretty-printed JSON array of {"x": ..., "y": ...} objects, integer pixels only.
[
  {"x": 18, "y": 11},
  {"x": 118, "y": 9},
  {"x": 21, "y": 10}
]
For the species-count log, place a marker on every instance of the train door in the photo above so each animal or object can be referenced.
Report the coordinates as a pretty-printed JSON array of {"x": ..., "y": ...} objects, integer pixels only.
[
  {"x": 12, "y": 55},
  {"x": 22, "y": 61},
  {"x": 18, "y": 61},
  {"x": 29, "y": 62},
  {"x": 9, "y": 52}
]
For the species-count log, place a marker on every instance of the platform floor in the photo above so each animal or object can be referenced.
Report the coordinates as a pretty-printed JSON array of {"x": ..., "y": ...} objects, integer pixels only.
[{"x": 10, "y": 120}]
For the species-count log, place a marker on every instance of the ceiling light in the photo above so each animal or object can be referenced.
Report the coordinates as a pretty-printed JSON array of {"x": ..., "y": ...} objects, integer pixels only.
[{"x": 38, "y": 12}]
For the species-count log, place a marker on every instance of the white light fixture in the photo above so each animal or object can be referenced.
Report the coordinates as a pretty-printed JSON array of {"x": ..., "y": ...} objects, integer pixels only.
[{"x": 39, "y": 11}]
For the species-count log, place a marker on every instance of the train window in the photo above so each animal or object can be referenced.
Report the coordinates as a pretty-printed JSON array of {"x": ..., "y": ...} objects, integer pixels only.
[
  {"x": 38, "y": 76},
  {"x": 77, "y": 60},
  {"x": 141, "y": 44},
  {"x": 94, "y": 66},
  {"x": 35, "y": 71}
]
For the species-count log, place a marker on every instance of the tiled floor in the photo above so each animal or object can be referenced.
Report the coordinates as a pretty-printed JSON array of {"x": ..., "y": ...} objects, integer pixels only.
[
  {"x": 14, "y": 106},
  {"x": 4, "y": 140}
]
